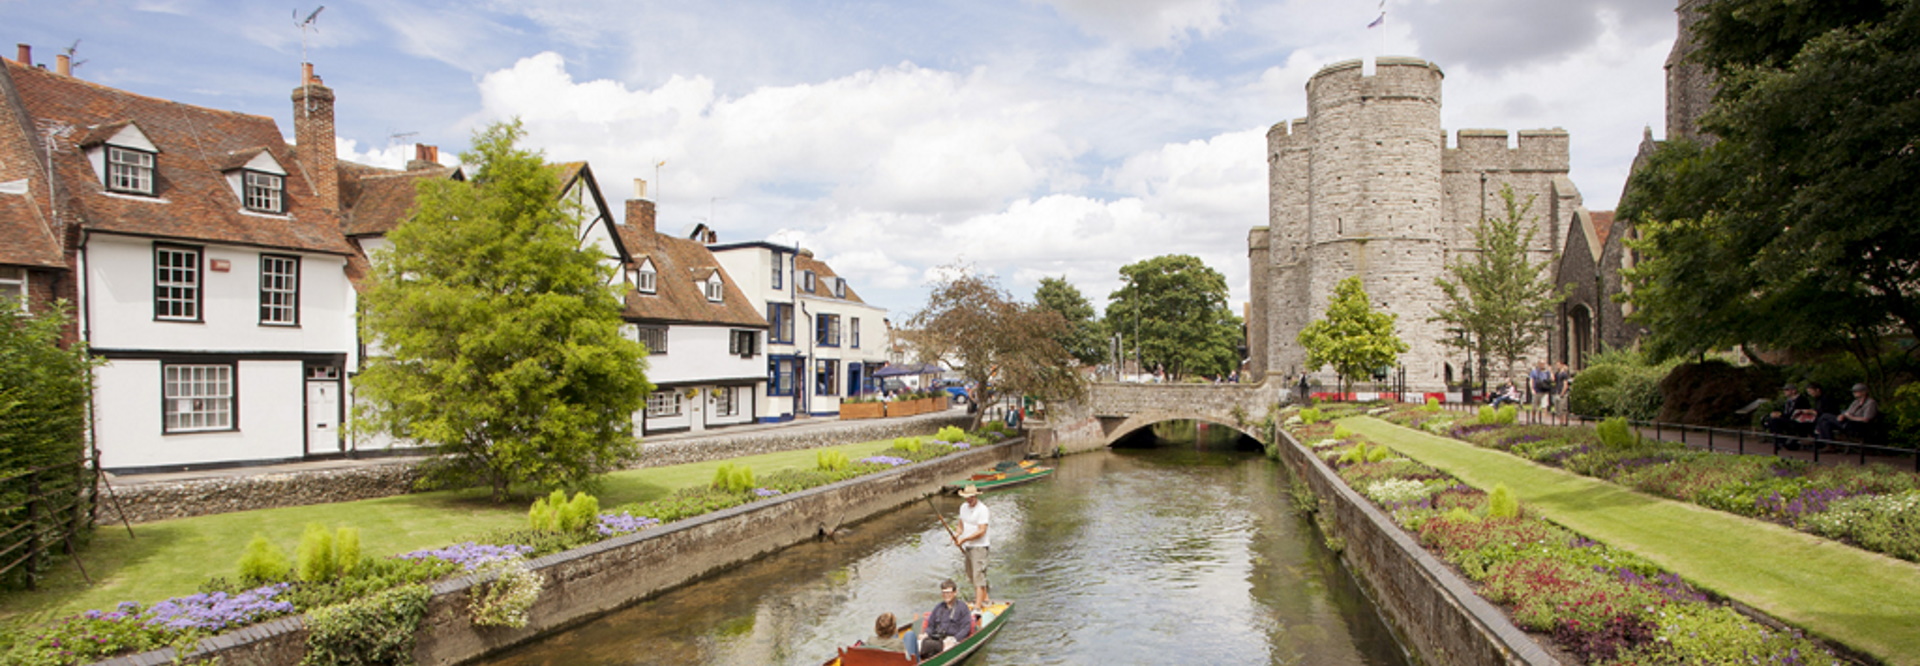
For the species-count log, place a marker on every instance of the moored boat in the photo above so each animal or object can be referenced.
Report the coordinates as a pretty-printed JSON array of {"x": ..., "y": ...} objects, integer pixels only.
[
  {"x": 990, "y": 619},
  {"x": 1005, "y": 474}
]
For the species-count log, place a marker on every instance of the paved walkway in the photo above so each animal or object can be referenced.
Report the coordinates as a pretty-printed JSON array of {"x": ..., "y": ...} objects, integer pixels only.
[
  {"x": 1864, "y": 600},
  {"x": 796, "y": 426}
]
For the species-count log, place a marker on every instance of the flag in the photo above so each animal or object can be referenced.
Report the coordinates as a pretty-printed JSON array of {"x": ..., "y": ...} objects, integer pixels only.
[{"x": 1376, "y": 22}]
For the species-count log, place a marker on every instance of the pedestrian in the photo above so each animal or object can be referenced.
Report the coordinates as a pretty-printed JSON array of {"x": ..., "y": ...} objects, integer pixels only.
[
  {"x": 1540, "y": 382},
  {"x": 1562, "y": 381},
  {"x": 974, "y": 542}
]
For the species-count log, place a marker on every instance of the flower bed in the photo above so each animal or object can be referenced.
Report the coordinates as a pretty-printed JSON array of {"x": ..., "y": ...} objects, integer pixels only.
[
  {"x": 1875, "y": 507},
  {"x": 1599, "y": 605},
  {"x": 352, "y": 602}
]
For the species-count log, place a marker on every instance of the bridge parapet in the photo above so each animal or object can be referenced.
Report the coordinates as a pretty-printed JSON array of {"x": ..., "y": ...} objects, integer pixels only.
[{"x": 1112, "y": 410}]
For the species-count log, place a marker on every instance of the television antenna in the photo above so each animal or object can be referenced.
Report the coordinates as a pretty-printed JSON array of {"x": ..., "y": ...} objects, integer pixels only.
[
  {"x": 397, "y": 137},
  {"x": 71, "y": 51},
  {"x": 304, "y": 25}
]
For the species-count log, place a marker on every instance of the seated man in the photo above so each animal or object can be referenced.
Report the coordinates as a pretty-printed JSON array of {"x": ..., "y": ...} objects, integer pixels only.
[
  {"x": 1794, "y": 418},
  {"x": 1855, "y": 421},
  {"x": 949, "y": 623}
]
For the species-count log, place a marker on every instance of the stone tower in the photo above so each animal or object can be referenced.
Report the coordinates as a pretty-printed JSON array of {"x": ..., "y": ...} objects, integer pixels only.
[{"x": 1366, "y": 185}]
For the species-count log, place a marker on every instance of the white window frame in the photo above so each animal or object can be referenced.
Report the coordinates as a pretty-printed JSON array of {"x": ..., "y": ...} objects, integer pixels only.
[
  {"x": 853, "y": 328},
  {"x": 725, "y": 403},
  {"x": 263, "y": 192},
  {"x": 648, "y": 334},
  {"x": 645, "y": 279},
  {"x": 130, "y": 170},
  {"x": 839, "y": 288},
  {"x": 177, "y": 287},
  {"x": 743, "y": 343},
  {"x": 663, "y": 403},
  {"x": 806, "y": 281},
  {"x": 716, "y": 290},
  {"x": 279, "y": 290},
  {"x": 779, "y": 270},
  {"x": 13, "y": 284},
  {"x": 198, "y": 397}
]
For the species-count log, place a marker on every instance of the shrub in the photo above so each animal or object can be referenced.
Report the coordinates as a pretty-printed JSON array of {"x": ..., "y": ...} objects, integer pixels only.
[
  {"x": 1433, "y": 405},
  {"x": 1356, "y": 454},
  {"x": 377, "y": 629},
  {"x": 1701, "y": 635},
  {"x": 831, "y": 461},
  {"x": 263, "y": 561},
  {"x": 732, "y": 478},
  {"x": 503, "y": 601},
  {"x": 543, "y": 514},
  {"x": 1397, "y": 491},
  {"x": 1341, "y": 432},
  {"x": 1885, "y": 523},
  {"x": 1592, "y": 391},
  {"x": 579, "y": 514},
  {"x": 346, "y": 550},
  {"x": 1311, "y": 415},
  {"x": 1616, "y": 434},
  {"x": 951, "y": 434},
  {"x": 1501, "y": 503},
  {"x": 1903, "y": 412},
  {"x": 1378, "y": 453},
  {"x": 908, "y": 444},
  {"x": 313, "y": 562},
  {"x": 1637, "y": 395}
]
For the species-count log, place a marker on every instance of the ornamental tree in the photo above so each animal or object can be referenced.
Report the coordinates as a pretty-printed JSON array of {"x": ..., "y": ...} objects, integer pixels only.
[
  {"x": 1174, "y": 308},
  {"x": 497, "y": 334},
  {"x": 1353, "y": 338},
  {"x": 1002, "y": 347},
  {"x": 1498, "y": 303}
]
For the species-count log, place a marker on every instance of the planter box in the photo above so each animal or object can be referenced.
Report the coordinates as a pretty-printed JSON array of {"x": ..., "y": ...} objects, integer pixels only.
[
  {"x": 903, "y": 408},
  {"x": 862, "y": 410},
  {"x": 933, "y": 404}
]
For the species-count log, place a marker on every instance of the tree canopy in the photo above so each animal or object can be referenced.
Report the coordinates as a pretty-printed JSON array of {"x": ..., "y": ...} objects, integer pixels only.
[
  {"x": 1353, "y": 338},
  {"x": 1085, "y": 337},
  {"x": 1003, "y": 347},
  {"x": 1794, "y": 228},
  {"x": 1498, "y": 302},
  {"x": 1173, "y": 310},
  {"x": 498, "y": 336}
]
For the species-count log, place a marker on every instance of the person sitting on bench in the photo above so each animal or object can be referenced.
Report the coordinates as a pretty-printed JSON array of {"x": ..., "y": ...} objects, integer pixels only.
[
  {"x": 1794, "y": 418},
  {"x": 1855, "y": 421}
]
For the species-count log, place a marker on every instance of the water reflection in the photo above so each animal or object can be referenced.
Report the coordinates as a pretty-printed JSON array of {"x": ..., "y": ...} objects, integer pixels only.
[{"x": 1178, "y": 554}]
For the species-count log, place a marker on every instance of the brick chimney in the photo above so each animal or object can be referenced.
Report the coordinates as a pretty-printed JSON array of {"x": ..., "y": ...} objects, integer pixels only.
[
  {"x": 640, "y": 215},
  {"x": 313, "y": 131},
  {"x": 424, "y": 156},
  {"x": 25, "y": 55}
]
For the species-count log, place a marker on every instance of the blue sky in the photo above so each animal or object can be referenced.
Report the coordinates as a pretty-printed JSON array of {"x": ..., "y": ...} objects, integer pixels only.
[{"x": 1028, "y": 138}]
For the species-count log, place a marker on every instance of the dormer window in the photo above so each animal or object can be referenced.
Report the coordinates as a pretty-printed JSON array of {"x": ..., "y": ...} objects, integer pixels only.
[
  {"x": 645, "y": 278},
  {"x": 806, "y": 281},
  {"x": 716, "y": 290},
  {"x": 129, "y": 170},
  {"x": 839, "y": 288},
  {"x": 264, "y": 192}
]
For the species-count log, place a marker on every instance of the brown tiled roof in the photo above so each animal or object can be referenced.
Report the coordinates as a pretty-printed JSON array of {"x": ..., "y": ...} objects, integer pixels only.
[
  {"x": 194, "y": 201},
  {"x": 376, "y": 200},
  {"x": 821, "y": 271},
  {"x": 676, "y": 298},
  {"x": 1602, "y": 224},
  {"x": 24, "y": 238}
]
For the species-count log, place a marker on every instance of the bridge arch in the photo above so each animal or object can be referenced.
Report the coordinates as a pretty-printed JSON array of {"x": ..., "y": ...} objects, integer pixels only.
[{"x": 1118, "y": 428}]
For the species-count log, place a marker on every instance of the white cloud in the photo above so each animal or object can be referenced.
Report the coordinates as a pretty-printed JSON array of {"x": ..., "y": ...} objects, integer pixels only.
[{"x": 1146, "y": 23}]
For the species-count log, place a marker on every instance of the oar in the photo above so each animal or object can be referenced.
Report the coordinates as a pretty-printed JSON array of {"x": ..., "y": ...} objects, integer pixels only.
[{"x": 943, "y": 523}]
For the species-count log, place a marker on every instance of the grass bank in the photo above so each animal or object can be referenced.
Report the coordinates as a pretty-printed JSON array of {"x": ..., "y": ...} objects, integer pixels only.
[
  {"x": 172, "y": 558},
  {"x": 1863, "y": 600}
]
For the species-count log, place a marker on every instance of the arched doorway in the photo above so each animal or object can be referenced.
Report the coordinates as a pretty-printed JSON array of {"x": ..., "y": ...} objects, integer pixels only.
[{"x": 1580, "y": 334}]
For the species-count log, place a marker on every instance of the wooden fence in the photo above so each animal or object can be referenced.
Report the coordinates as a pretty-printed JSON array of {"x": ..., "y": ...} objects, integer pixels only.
[{"x": 41, "y": 510}]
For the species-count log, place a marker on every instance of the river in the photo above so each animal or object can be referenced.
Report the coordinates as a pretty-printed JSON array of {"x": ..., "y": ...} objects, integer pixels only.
[{"x": 1177, "y": 553}]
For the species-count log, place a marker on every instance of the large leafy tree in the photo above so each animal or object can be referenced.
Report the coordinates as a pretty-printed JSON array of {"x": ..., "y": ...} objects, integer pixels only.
[
  {"x": 1353, "y": 338},
  {"x": 1497, "y": 300},
  {"x": 1084, "y": 338},
  {"x": 1003, "y": 347},
  {"x": 498, "y": 336},
  {"x": 1174, "y": 309},
  {"x": 1795, "y": 228}
]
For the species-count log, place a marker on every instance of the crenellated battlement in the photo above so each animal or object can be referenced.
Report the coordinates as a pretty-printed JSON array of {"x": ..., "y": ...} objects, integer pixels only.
[{"x": 1489, "y": 150}]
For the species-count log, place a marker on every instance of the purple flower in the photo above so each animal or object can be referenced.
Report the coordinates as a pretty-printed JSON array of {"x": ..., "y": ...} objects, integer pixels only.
[
  {"x": 765, "y": 492},
  {"x": 890, "y": 461},
  {"x": 470, "y": 555},
  {"x": 213, "y": 611},
  {"x": 622, "y": 523}
]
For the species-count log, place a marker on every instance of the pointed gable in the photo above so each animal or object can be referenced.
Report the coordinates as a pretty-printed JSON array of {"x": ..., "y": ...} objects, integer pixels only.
[{"x": 684, "y": 270}]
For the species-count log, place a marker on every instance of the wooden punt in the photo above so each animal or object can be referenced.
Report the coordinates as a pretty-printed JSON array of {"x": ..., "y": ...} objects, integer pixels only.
[{"x": 999, "y": 611}]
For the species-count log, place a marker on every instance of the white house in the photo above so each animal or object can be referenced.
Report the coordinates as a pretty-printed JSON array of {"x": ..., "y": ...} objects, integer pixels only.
[
  {"x": 823, "y": 341},
  {"x": 705, "y": 336},
  {"x": 207, "y": 265}
]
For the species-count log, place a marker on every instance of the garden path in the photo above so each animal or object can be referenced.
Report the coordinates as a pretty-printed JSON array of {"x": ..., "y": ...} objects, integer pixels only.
[{"x": 1866, "y": 601}]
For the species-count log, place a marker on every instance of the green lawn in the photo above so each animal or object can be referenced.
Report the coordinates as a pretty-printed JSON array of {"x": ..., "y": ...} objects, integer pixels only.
[
  {"x": 172, "y": 558},
  {"x": 1864, "y": 600}
]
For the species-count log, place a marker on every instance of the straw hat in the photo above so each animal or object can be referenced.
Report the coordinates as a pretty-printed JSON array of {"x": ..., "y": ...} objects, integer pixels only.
[{"x": 970, "y": 491}]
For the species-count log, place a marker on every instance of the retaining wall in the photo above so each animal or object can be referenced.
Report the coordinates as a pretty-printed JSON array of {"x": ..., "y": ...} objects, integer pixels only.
[
  {"x": 585, "y": 582},
  {"x": 1433, "y": 611},
  {"x": 143, "y": 502}
]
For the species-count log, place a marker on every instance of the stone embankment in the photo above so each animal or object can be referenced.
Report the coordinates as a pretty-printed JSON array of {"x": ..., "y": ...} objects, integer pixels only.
[
  {"x": 585, "y": 582},
  {"x": 148, "y": 498}
]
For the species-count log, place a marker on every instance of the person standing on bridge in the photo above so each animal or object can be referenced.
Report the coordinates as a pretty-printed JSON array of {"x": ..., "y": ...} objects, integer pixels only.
[{"x": 973, "y": 541}]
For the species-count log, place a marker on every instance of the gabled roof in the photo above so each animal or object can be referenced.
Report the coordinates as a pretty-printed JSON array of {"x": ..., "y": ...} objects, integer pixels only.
[
  {"x": 821, "y": 271},
  {"x": 678, "y": 264},
  {"x": 375, "y": 200},
  {"x": 1602, "y": 225},
  {"x": 24, "y": 238},
  {"x": 194, "y": 201}
]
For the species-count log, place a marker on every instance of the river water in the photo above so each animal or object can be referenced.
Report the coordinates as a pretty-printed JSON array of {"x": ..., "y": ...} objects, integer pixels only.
[{"x": 1171, "y": 554}]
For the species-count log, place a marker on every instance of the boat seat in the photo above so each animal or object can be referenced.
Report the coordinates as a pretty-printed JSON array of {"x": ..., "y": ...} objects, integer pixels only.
[{"x": 866, "y": 656}]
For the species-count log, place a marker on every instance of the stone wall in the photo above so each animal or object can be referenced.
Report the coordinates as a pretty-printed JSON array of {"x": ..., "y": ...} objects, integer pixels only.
[
  {"x": 1432, "y": 610},
  {"x": 147, "y": 502},
  {"x": 588, "y": 581}
]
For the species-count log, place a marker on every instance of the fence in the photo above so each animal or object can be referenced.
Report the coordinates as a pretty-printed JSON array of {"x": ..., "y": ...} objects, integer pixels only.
[
  {"x": 1730, "y": 439},
  {"x": 43, "y": 508}
]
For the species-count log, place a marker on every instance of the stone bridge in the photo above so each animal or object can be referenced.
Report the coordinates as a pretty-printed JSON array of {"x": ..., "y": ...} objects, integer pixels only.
[{"x": 1112, "y": 410}]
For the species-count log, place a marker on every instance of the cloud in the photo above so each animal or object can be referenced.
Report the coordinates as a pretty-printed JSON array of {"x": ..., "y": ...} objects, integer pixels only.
[
  {"x": 1493, "y": 35},
  {"x": 1146, "y": 24}
]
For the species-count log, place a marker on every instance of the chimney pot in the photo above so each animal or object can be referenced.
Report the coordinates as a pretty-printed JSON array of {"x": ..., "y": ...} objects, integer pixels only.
[
  {"x": 26, "y": 55},
  {"x": 306, "y": 73},
  {"x": 63, "y": 65},
  {"x": 639, "y": 188},
  {"x": 424, "y": 157}
]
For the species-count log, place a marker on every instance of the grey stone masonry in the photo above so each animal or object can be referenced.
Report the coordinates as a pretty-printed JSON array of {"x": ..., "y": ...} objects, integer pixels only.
[{"x": 148, "y": 498}]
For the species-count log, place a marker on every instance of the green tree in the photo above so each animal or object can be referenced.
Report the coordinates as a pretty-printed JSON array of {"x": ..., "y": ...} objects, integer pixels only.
[
  {"x": 1085, "y": 337},
  {"x": 498, "y": 335},
  {"x": 1353, "y": 338},
  {"x": 1794, "y": 227},
  {"x": 1497, "y": 301},
  {"x": 1002, "y": 347},
  {"x": 44, "y": 390},
  {"x": 1173, "y": 309}
]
